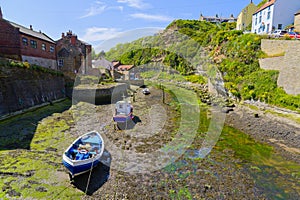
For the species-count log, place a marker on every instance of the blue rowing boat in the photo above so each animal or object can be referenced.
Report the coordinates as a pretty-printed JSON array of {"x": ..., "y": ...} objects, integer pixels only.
[{"x": 84, "y": 153}]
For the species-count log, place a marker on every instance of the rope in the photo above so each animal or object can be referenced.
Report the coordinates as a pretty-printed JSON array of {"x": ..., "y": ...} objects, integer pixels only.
[{"x": 88, "y": 182}]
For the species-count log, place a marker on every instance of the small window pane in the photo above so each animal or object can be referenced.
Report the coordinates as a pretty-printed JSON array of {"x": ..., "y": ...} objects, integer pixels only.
[
  {"x": 25, "y": 41},
  {"x": 33, "y": 44},
  {"x": 51, "y": 49},
  {"x": 44, "y": 47}
]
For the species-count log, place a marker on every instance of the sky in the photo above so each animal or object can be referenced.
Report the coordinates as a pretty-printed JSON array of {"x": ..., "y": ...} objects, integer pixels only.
[{"x": 103, "y": 23}]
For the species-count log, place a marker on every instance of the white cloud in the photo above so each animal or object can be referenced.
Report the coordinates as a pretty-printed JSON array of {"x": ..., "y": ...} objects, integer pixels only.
[
  {"x": 99, "y": 7},
  {"x": 135, "y": 3},
  {"x": 99, "y": 34},
  {"x": 160, "y": 18}
]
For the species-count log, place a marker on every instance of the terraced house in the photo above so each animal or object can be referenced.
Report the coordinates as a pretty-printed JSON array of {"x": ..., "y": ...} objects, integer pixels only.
[
  {"x": 73, "y": 55},
  {"x": 274, "y": 14},
  {"x": 244, "y": 19},
  {"x": 297, "y": 21},
  {"x": 25, "y": 44}
]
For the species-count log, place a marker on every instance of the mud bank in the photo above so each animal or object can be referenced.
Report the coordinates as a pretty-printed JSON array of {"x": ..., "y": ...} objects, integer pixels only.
[{"x": 280, "y": 132}]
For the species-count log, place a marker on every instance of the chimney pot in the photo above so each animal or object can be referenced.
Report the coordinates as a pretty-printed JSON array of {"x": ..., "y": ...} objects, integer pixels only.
[{"x": 30, "y": 27}]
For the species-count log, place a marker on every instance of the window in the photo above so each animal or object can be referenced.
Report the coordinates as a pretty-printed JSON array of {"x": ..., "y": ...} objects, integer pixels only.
[
  {"x": 268, "y": 28},
  {"x": 25, "y": 41},
  {"x": 51, "y": 49},
  {"x": 269, "y": 13},
  {"x": 279, "y": 26},
  {"x": 44, "y": 47},
  {"x": 33, "y": 44},
  {"x": 256, "y": 21},
  {"x": 60, "y": 62},
  {"x": 259, "y": 19}
]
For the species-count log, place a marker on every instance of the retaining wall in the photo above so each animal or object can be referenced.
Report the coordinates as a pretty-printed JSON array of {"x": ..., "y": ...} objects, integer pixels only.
[
  {"x": 22, "y": 88},
  {"x": 288, "y": 64}
]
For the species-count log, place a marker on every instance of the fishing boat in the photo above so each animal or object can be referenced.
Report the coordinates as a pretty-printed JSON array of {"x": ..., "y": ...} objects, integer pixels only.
[
  {"x": 84, "y": 153},
  {"x": 123, "y": 111}
]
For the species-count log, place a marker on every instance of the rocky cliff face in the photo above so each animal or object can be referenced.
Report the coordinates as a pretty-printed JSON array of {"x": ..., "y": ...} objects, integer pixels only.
[{"x": 22, "y": 88}]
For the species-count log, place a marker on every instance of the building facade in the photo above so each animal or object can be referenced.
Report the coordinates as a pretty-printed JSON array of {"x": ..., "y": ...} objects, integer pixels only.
[
  {"x": 274, "y": 14},
  {"x": 244, "y": 19},
  {"x": 217, "y": 19},
  {"x": 297, "y": 21},
  {"x": 25, "y": 44},
  {"x": 73, "y": 55}
]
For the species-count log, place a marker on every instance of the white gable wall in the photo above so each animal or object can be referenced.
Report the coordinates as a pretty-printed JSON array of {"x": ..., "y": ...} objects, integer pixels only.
[{"x": 284, "y": 12}]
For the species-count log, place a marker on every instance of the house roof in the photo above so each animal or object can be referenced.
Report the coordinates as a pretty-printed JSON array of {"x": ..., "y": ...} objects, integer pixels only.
[
  {"x": 102, "y": 63},
  {"x": 267, "y": 4},
  {"x": 32, "y": 33},
  {"x": 125, "y": 67},
  {"x": 116, "y": 63}
]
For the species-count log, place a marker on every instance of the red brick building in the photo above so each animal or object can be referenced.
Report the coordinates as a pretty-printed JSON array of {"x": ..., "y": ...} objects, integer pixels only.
[
  {"x": 25, "y": 44},
  {"x": 73, "y": 55}
]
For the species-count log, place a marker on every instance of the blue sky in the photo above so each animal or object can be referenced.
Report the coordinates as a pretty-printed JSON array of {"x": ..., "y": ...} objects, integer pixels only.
[{"x": 96, "y": 21}]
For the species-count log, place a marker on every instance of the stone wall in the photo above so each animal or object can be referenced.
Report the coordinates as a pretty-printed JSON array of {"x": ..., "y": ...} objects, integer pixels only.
[
  {"x": 288, "y": 64},
  {"x": 99, "y": 95},
  {"x": 44, "y": 62},
  {"x": 22, "y": 88}
]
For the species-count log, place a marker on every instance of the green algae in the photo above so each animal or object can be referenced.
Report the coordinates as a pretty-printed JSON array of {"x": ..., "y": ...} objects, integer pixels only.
[
  {"x": 36, "y": 172},
  {"x": 278, "y": 177}
]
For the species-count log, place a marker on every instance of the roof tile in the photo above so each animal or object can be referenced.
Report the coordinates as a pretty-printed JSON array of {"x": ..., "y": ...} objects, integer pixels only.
[{"x": 267, "y": 4}]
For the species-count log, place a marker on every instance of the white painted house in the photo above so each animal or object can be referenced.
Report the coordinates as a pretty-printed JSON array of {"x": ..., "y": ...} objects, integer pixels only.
[{"x": 274, "y": 14}]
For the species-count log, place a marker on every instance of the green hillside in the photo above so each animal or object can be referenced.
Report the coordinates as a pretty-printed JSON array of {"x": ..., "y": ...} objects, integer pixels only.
[{"x": 190, "y": 45}]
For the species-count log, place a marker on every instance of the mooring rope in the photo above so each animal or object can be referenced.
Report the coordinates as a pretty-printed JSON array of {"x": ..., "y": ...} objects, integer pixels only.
[{"x": 88, "y": 182}]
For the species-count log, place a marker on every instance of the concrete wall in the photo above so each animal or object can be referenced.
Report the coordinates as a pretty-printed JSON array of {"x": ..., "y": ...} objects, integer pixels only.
[
  {"x": 288, "y": 64},
  {"x": 23, "y": 88},
  {"x": 275, "y": 47}
]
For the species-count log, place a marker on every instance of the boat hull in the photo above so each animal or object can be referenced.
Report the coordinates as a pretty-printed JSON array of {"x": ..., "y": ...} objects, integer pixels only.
[
  {"x": 122, "y": 119},
  {"x": 80, "y": 168}
]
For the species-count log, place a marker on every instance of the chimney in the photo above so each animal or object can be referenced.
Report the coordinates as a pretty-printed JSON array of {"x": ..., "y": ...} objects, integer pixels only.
[
  {"x": 73, "y": 39},
  {"x": 62, "y": 35},
  {"x": 1, "y": 16},
  {"x": 30, "y": 27},
  {"x": 69, "y": 33}
]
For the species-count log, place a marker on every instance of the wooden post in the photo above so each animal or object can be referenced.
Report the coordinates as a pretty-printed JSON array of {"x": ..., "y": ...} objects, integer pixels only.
[{"x": 163, "y": 94}]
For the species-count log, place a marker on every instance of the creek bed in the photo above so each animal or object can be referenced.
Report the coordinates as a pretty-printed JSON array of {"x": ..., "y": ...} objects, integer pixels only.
[{"x": 238, "y": 167}]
